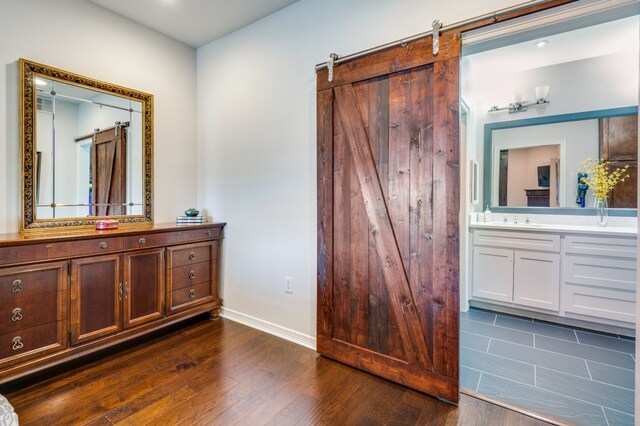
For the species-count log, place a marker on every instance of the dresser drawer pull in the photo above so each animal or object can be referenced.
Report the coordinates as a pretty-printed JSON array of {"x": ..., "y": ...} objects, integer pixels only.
[
  {"x": 103, "y": 245},
  {"x": 192, "y": 256},
  {"x": 17, "y": 343},
  {"x": 208, "y": 233},
  {"x": 126, "y": 290},
  {"x": 17, "y": 286},
  {"x": 17, "y": 314},
  {"x": 192, "y": 294},
  {"x": 120, "y": 292},
  {"x": 192, "y": 275},
  {"x": 142, "y": 241}
]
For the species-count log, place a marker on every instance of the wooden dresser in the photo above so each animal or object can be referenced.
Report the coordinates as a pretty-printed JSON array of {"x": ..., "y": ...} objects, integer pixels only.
[{"x": 65, "y": 295}]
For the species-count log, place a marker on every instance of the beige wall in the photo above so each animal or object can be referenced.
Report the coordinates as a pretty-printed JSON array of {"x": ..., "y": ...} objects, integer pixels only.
[{"x": 523, "y": 170}]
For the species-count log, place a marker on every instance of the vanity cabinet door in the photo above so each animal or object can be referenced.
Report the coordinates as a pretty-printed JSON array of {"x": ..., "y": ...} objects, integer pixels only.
[
  {"x": 96, "y": 294},
  {"x": 493, "y": 273},
  {"x": 143, "y": 288},
  {"x": 536, "y": 281}
]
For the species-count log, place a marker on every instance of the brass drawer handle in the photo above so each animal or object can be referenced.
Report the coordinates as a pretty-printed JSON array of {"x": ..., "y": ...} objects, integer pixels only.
[
  {"x": 120, "y": 292},
  {"x": 17, "y": 343},
  {"x": 103, "y": 245},
  {"x": 192, "y": 256},
  {"x": 126, "y": 290},
  {"x": 192, "y": 275},
  {"x": 16, "y": 314},
  {"x": 17, "y": 286},
  {"x": 192, "y": 294},
  {"x": 208, "y": 233},
  {"x": 142, "y": 241}
]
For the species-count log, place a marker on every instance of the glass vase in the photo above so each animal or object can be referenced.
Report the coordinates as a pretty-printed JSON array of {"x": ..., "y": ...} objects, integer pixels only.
[{"x": 602, "y": 210}]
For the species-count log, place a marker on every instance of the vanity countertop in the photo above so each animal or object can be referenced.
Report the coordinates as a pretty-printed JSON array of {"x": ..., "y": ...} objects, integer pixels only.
[{"x": 559, "y": 228}]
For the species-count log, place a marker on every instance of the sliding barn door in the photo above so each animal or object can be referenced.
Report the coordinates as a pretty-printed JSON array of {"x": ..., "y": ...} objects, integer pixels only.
[
  {"x": 109, "y": 172},
  {"x": 388, "y": 199}
]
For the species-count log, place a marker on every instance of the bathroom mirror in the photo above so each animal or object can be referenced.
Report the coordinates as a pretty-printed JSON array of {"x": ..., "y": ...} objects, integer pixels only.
[
  {"x": 86, "y": 149},
  {"x": 534, "y": 162}
]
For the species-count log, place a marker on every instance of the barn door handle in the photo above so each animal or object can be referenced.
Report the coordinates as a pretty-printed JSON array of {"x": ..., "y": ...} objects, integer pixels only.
[
  {"x": 16, "y": 286},
  {"x": 16, "y": 314},
  {"x": 435, "y": 36},
  {"x": 17, "y": 343}
]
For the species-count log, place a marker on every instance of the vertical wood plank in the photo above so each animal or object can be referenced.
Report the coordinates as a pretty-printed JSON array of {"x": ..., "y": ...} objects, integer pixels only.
[
  {"x": 421, "y": 208},
  {"x": 446, "y": 202},
  {"x": 342, "y": 233},
  {"x": 325, "y": 212}
]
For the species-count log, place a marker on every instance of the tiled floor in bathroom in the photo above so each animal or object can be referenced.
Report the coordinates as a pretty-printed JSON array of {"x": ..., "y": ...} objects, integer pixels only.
[{"x": 577, "y": 376}]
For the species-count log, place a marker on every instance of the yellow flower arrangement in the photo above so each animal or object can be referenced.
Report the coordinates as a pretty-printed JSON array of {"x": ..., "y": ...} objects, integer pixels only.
[{"x": 600, "y": 176}]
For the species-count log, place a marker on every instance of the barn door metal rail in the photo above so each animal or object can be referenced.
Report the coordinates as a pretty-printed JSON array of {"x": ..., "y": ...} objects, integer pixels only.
[{"x": 436, "y": 28}]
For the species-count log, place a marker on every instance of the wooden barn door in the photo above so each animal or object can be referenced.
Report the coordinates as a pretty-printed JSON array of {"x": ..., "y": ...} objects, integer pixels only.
[
  {"x": 109, "y": 172},
  {"x": 388, "y": 200}
]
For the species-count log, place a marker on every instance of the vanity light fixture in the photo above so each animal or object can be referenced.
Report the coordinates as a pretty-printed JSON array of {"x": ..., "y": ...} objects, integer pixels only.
[{"x": 520, "y": 106}]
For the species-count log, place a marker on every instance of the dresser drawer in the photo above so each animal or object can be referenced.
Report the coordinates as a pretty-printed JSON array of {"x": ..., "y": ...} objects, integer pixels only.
[
  {"x": 32, "y": 280},
  {"x": 189, "y": 275},
  {"x": 85, "y": 247},
  {"x": 188, "y": 295},
  {"x": 27, "y": 312},
  {"x": 32, "y": 342},
  {"x": 188, "y": 255},
  {"x": 168, "y": 238}
]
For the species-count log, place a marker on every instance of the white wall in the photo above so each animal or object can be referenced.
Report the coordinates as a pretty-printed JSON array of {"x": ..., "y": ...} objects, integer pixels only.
[
  {"x": 81, "y": 37},
  {"x": 257, "y": 139}
]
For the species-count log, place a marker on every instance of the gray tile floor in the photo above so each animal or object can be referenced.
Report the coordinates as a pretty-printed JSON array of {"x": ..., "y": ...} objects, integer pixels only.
[{"x": 577, "y": 376}]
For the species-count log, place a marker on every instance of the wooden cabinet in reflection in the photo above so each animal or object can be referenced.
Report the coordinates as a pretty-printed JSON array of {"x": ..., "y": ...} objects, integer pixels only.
[{"x": 619, "y": 146}]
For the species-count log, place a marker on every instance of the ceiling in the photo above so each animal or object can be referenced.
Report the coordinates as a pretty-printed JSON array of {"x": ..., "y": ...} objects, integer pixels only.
[
  {"x": 194, "y": 22},
  {"x": 589, "y": 42}
]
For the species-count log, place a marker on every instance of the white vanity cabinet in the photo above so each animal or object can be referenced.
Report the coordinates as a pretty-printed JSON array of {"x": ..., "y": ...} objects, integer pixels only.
[
  {"x": 599, "y": 277},
  {"x": 564, "y": 273},
  {"x": 517, "y": 268}
]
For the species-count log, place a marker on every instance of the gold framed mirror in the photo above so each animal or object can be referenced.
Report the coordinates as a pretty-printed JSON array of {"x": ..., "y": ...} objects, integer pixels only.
[{"x": 87, "y": 150}]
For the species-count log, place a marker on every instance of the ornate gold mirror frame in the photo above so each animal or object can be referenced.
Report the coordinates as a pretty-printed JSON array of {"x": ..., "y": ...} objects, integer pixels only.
[{"x": 29, "y": 72}]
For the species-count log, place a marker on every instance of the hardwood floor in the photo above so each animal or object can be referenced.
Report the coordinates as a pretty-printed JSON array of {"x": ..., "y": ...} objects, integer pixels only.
[{"x": 221, "y": 372}]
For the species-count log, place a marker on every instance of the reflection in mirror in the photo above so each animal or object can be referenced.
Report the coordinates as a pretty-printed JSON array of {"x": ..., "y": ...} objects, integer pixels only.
[
  {"x": 87, "y": 149},
  {"x": 89, "y": 152}
]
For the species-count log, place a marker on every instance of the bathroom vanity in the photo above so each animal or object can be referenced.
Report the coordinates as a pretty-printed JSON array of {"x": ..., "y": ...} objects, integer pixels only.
[{"x": 557, "y": 272}]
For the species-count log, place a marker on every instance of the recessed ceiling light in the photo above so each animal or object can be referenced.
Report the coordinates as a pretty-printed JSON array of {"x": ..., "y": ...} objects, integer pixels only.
[{"x": 542, "y": 43}]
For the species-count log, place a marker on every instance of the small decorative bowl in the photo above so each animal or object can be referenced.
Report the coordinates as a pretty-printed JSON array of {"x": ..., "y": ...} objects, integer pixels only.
[{"x": 191, "y": 212}]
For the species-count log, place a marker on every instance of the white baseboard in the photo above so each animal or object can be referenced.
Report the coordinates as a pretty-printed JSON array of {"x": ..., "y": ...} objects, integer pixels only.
[{"x": 277, "y": 330}]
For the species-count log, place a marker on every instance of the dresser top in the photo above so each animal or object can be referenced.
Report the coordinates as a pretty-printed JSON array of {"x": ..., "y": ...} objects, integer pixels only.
[{"x": 125, "y": 229}]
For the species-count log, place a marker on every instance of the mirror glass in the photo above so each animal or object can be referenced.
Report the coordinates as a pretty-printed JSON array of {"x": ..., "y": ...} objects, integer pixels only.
[
  {"x": 544, "y": 101},
  {"x": 87, "y": 150}
]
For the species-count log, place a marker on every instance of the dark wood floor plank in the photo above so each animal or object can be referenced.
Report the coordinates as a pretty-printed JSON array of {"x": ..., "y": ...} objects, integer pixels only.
[{"x": 225, "y": 373}]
